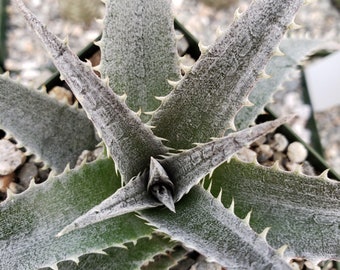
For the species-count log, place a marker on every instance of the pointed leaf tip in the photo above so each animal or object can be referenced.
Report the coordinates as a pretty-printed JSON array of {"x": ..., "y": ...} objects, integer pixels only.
[
  {"x": 160, "y": 186},
  {"x": 164, "y": 195},
  {"x": 129, "y": 198}
]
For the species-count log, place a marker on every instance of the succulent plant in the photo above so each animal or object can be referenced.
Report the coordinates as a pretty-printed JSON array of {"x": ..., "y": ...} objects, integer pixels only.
[{"x": 92, "y": 217}]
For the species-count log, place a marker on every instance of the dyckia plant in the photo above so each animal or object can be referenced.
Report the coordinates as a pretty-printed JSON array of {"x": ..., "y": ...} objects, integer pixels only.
[{"x": 165, "y": 128}]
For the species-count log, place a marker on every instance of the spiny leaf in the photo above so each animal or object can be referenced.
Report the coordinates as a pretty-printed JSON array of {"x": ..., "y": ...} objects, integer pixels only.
[
  {"x": 137, "y": 58},
  {"x": 129, "y": 198},
  {"x": 185, "y": 169},
  {"x": 189, "y": 167},
  {"x": 166, "y": 261},
  {"x": 43, "y": 125},
  {"x": 160, "y": 185},
  {"x": 279, "y": 68},
  {"x": 131, "y": 256},
  {"x": 30, "y": 221},
  {"x": 130, "y": 142},
  {"x": 202, "y": 223},
  {"x": 205, "y": 102},
  {"x": 302, "y": 211}
]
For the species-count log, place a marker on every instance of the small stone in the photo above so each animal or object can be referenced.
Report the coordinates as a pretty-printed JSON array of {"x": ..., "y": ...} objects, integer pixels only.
[
  {"x": 310, "y": 266},
  {"x": 60, "y": 93},
  {"x": 5, "y": 180},
  {"x": 280, "y": 156},
  {"x": 82, "y": 156},
  {"x": 264, "y": 152},
  {"x": 259, "y": 141},
  {"x": 279, "y": 142},
  {"x": 27, "y": 173},
  {"x": 292, "y": 166},
  {"x": 42, "y": 175},
  {"x": 308, "y": 169},
  {"x": 294, "y": 266},
  {"x": 296, "y": 152},
  {"x": 89, "y": 155},
  {"x": 10, "y": 157},
  {"x": 15, "y": 187},
  {"x": 246, "y": 155}
]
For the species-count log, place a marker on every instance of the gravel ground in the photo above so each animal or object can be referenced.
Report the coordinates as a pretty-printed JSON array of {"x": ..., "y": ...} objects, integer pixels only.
[{"x": 26, "y": 57}]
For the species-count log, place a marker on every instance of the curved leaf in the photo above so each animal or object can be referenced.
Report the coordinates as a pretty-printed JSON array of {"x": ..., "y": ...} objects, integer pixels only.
[
  {"x": 129, "y": 198},
  {"x": 189, "y": 167},
  {"x": 279, "y": 68},
  {"x": 129, "y": 141},
  {"x": 129, "y": 256},
  {"x": 302, "y": 211},
  {"x": 202, "y": 223},
  {"x": 43, "y": 125},
  {"x": 205, "y": 102},
  {"x": 30, "y": 221}
]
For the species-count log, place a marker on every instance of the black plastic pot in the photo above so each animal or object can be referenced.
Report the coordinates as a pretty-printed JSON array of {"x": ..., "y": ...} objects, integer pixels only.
[{"x": 3, "y": 27}]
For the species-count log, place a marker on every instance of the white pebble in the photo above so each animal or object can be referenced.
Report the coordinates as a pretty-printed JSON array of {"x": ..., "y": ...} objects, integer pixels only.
[
  {"x": 279, "y": 142},
  {"x": 264, "y": 152},
  {"x": 296, "y": 152},
  {"x": 246, "y": 155},
  {"x": 259, "y": 141},
  {"x": 10, "y": 157}
]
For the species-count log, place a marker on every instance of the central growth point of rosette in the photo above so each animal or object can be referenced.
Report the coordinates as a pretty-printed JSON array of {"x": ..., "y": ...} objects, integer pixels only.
[{"x": 160, "y": 185}]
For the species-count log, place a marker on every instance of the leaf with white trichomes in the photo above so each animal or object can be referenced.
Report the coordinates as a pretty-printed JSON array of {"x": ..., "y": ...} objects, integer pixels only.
[
  {"x": 170, "y": 260},
  {"x": 138, "y": 62},
  {"x": 129, "y": 141},
  {"x": 279, "y": 68},
  {"x": 201, "y": 222},
  {"x": 205, "y": 102},
  {"x": 129, "y": 198},
  {"x": 185, "y": 169},
  {"x": 43, "y": 125},
  {"x": 302, "y": 211},
  {"x": 128, "y": 256},
  {"x": 189, "y": 167},
  {"x": 30, "y": 220}
]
